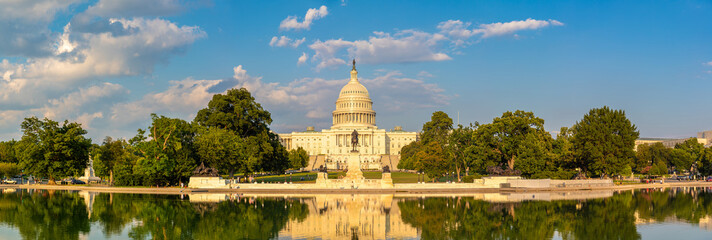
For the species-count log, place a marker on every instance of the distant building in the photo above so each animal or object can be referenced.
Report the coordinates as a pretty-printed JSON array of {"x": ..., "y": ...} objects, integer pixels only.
[
  {"x": 704, "y": 138},
  {"x": 354, "y": 111}
]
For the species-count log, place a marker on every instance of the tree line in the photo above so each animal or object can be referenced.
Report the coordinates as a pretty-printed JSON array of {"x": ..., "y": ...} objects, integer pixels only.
[
  {"x": 231, "y": 134},
  {"x": 601, "y": 144}
]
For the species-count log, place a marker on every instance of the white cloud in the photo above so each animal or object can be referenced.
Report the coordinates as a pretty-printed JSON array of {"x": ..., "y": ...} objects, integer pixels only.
[
  {"x": 302, "y": 59},
  {"x": 94, "y": 55},
  {"x": 312, "y": 14},
  {"x": 403, "y": 46},
  {"x": 497, "y": 29},
  {"x": 284, "y": 41},
  {"x": 182, "y": 99},
  {"x": 24, "y": 27},
  {"x": 708, "y": 63},
  {"x": 35, "y": 10},
  {"x": 459, "y": 31},
  {"x": 135, "y": 8},
  {"x": 413, "y": 45}
]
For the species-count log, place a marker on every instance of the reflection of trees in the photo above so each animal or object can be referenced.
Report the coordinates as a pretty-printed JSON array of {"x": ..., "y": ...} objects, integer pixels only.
[
  {"x": 47, "y": 215},
  {"x": 453, "y": 218},
  {"x": 63, "y": 215},
  {"x": 261, "y": 219}
]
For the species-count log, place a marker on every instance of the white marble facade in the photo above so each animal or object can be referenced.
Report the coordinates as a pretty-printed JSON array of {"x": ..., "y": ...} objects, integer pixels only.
[{"x": 354, "y": 111}]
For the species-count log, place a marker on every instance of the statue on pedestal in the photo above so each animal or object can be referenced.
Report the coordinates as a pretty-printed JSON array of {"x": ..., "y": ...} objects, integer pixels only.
[{"x": 354, "y": 141}]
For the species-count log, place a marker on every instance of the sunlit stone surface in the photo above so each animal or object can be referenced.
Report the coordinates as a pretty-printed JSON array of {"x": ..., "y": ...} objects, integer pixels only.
[{"x": 639, "y": 214}]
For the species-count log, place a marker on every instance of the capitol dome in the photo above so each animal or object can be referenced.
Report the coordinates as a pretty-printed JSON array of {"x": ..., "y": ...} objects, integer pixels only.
[{"x": 354, "y": 108}]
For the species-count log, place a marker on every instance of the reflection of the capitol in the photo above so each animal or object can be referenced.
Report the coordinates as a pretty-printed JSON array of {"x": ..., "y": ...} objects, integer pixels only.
[{"x": 374, "y": 216}]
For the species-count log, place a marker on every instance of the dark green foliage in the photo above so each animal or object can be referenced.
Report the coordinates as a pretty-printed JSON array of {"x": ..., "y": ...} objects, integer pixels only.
[
  {"x": 603, "y": 142},
  {"x": 298, "y": 158},
  {"x": 224, "y": 150},
  {"x": 438, "y": 128},
  {"x": 169, "y": 156},
  {"x": 7, "y": 152},
  {"x": 53, "y": 151},
  {"x": 9, "y": 170},
  {"x": 238, "y": 112},
  {"x": 107, "y": 156},
  {"x": 429, "y": 155}
]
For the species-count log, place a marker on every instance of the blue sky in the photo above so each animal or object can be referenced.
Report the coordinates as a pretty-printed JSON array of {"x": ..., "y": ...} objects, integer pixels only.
[{"x": 109, "y": 64}]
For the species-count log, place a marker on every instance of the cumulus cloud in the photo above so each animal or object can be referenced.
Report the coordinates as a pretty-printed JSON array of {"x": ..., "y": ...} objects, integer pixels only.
[
  {"x": 24, "y": 25},
  {"x": 291, "y": 22},
  {"x": 135, "y": 8},
  {"x": 302, "y": 59},
  {"x": 62, "y": 75},
  {"x": 403, "y": 46},
  {"x": 90, "y": 56},
  {"x": 708, "y": 63},
  {"x": 284, "y": 41},
  {"x": 414, "y": 45},
  {"x": 182, "y": 99}
]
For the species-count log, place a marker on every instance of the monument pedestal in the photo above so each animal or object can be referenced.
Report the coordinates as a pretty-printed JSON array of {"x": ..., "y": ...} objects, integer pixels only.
[
  {"x": 354, "y": 164},
  {"x": 321, "y": 178},
  {"x": 386, "y": 180}
]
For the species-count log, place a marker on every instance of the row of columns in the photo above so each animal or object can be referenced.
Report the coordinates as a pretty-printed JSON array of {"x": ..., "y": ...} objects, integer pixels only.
[
  {"x": 363, "y": 139},
  {"x": 354, "y": 118}
]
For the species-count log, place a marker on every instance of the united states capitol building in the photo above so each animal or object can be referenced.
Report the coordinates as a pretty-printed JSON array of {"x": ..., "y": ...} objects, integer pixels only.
[{"x": 354, "y": 111}]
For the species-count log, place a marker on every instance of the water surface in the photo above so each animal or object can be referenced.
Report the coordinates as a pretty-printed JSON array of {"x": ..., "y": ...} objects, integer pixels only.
[{"x": 641, "y": 214}]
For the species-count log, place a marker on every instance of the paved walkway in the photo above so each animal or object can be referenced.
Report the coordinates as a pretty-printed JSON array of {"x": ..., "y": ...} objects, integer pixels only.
[{"x": 443, "y": 189}]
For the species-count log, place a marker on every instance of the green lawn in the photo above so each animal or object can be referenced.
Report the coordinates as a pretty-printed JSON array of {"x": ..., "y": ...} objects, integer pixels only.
[{"x": 398, "y": 177}]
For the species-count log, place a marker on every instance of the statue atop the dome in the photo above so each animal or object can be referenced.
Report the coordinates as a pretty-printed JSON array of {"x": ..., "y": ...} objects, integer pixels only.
[
  {"x": 354, "y": 65},
  {"x": 354, "y": 141}
]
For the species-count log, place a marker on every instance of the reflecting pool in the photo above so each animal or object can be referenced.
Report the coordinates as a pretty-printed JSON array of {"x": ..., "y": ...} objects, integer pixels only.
[{"x": 683, "y": 213}]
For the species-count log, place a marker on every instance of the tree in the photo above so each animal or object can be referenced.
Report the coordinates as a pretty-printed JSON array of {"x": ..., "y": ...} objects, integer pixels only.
[
  {"x": 50, "y": 150},
  {"x": 107, "y": 156},
  {"x": 458, "y": 143},
  {"x": 223, "y": 150},
  {"x": 9, "y": 170},
  {"x": 169, "y": 156},
  {"x": 433, "y": 160},
  {"x": 7, "y": 151},
  {"x": 509, "y": 136},
  {"x": 693, "y": 149},
  {"x": 298, "y": 158},
  {"x": 238, "y": 112},
  {"x": 603, "y": 141},
  {"x": 653, "y": 155},
  {"x": 438, "y": 128}
]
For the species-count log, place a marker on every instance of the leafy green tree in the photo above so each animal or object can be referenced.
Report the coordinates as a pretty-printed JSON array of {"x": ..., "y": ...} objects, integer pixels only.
[
  {"x": 653, "y": 155},
  {"x": 603, "y": 141},
  {"x": 705, "y": 162},
  {"x": 169, "y": 156},
  {"x": 107, "y": 156},
  {"x": 512, "y": 136},
  {"x": 50, "y": 150},
  {"x": 459, "y": 140},
  {"x": 693, "y": 149},
  {"x": 7, "y": 151},
  {"x": 433, "y": 160},
  {"x": 223, "y": 150},
  {"x": 407, "y": 157},
  {"x": 419, "y": 155},
  {"x": 9, "y": 170},
  {"x": 298, "y": 158},
  {"x": 438, "y": 128},
  {"x": 238, "y": 112}
]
